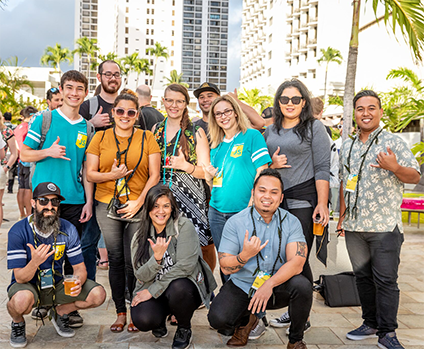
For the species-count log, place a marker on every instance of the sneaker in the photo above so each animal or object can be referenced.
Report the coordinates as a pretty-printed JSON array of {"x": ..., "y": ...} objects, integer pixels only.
[
  {"x": 182, "y": 338},
  {"x": 306, "y": 329},
  {"x": 75, "y": 319},
  {"x": 389, "y": 341},
  {"x": 61, "y": 324},
  {"x": 160, "y": 332},
  {"x": 282, "y": 321},
  {"x": 258, "y": 331},
  {"x": 17, "y": 335},
  {"x": 362, "y": 332},
  {"x": 39, "y": 313}
]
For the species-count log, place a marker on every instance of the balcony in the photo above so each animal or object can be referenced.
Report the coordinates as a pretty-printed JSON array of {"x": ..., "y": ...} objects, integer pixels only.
[
  {"x": 303, "y": 48},
  {"x": 312, "y": 42}
]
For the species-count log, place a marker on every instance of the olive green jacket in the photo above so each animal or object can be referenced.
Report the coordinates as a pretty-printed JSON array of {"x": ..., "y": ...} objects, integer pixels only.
[{"x": 186, "y": 254}]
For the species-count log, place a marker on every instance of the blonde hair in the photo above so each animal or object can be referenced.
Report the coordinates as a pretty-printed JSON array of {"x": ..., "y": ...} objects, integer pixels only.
[{"x": 217, "y": 133}]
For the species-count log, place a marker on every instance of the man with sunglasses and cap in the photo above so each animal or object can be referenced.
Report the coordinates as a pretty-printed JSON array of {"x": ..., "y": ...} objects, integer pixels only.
[
  {"x": 36, "y": 248},
  {"x": 54, "y": 100},
  {"x": 207, "y": 92}
]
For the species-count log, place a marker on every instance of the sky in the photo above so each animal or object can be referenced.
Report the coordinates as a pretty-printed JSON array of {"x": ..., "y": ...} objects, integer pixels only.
[{"x": 27, "y": 27}]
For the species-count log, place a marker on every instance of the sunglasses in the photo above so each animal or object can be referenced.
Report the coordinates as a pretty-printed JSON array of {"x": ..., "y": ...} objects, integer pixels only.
[
  {"x": 131, "y": 113},
  {"x": 54, "y": 90},
  {"x": 295, "y": 100},
  {"x": 44, "y": 201}
]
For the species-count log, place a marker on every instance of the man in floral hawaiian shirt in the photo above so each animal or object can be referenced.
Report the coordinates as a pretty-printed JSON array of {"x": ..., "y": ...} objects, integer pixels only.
[{"x": 374, "y": 166}]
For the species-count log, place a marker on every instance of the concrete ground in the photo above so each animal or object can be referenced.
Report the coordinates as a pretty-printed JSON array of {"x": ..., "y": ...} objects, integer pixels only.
[{"x": 329, "y": 325}]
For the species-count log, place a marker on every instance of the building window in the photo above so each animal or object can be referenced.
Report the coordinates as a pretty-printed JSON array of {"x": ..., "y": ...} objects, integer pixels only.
[
  {"x": 269, "y": 55},
  {"x": 127, "y": 30},
  {"x": 270, "y": 38},
  {"x": 173, "y": 12},
  {"x": 172, "y": 63},
  {"x": 153, "y": 21},
  {"x": 148, "y": 11},
  {"x": 172, "y": 33},
  {"x": 147, "y": 41},
  {"x": 269, "y": 72},
  {"x": 172, "y": 42},
  {"x": 153, "y": 11},
  {"x": 126, "y": 50},
  {"x": 153, "y": 32},
  {"x": 147, "y": 31},
  {"x": 173, "y": 23},
  {"x": 152, "y": 42},
  {"x": 126, "y": 19},
  {"x": 126, "y": 40},
  {"x": 127, "y": 10},
  {"x": 147, "y": 21}
]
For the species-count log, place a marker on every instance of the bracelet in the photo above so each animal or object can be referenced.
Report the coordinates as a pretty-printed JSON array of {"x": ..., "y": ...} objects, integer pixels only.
[
  {"x": 194, "y": 169},
  {"x": 241, "y": 261},
  {"x": 159, "y": 260}
]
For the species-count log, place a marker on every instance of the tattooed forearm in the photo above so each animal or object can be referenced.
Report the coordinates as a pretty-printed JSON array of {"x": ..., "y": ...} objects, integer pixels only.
[
  {"x": 233, "y": 269},
  {"x": 301, "y": 249},
  {"x": 223, "y": 255},
  {"x": 240, "y": 260}
]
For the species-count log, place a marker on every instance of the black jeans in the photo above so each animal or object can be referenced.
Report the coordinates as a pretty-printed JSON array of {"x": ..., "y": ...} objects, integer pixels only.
[
  {"x": 118, "y": 237},
  {"x": 229, "y": 308},
  {"x": 375, "y": 260},
  {"x": 181, "y": 299},
  {"x": 304, "y": 215},
  {"x": 72, "y": 214}
]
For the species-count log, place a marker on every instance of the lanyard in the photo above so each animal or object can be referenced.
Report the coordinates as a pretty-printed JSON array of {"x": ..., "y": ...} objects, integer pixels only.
[
  {"x": 355, "y": 208},
  {"x": 38, "y": 269},
  {"x": 173, "y": 154},
  {"x": 225, "y": 157}
]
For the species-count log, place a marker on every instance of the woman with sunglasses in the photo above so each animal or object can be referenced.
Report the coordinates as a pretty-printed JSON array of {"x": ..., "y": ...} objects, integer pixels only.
[
  {"x": 124, "y": 162},
  {"x": 300, "y": 149},
  {"x": 184, "y": 147},
  {"x": 171, "y": 275},
  {"x": 238, "y": 155}
]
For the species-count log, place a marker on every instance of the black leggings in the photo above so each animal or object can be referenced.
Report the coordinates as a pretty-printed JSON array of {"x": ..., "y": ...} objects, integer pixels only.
[
  {"x": 304, "y": 215},
  {"x": 181, "y": 299},
  {"x": 229, "y": 308}
]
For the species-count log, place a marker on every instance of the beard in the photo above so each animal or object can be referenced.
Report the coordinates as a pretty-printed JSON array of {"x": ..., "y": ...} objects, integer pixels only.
[
  {"x": 47, "y": 224},
  {"x": 110, "y": 89}
]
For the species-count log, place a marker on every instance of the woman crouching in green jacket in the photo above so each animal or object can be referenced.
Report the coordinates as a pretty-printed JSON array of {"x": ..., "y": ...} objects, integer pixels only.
[{"x": 171, "y": 274}]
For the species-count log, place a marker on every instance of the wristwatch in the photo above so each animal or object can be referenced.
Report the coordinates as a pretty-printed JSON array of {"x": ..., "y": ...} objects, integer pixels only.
[{"x": 8, "y": 167}]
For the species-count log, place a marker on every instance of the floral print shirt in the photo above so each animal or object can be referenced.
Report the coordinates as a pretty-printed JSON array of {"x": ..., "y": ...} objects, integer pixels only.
[
  {"x": 6, "y": 134},
  {"x": 378, "y": 193},
  {"x": 189, "y": 133}
]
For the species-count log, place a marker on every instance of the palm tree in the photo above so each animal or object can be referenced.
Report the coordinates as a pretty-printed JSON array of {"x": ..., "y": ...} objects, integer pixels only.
[
  {"x": 157, "y": 51},
  {"x": 87, "y": 47},
  {"x": 408, "y": 15},
  {"x": 128, "y": 64},
  {"x": 255, "y": 99},
  {"x": 142, "y": 65},
  {"x": 175, "y": 78},
  {"x": 329, "y": 55},
  {"x": 53, "y": 56}
]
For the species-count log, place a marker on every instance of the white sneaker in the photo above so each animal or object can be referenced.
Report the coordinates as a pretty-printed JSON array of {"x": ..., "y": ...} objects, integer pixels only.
[{"x": 282, "y": 321}]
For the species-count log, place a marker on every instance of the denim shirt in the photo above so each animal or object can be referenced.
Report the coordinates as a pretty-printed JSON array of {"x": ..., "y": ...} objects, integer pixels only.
[
  {"x": 379, "y": 191},
  {"x": 233, "y": 238}
]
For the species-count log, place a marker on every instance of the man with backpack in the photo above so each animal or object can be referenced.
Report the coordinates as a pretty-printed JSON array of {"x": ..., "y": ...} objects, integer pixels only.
[
  {"x": 56, "y": 142},
  {"x": 98, "y": 109}
]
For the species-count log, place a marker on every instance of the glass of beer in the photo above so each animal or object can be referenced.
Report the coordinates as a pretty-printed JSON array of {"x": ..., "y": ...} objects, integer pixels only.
[
  {"x": 318, "y": 227},
  {"x": 70, "y": 281}
]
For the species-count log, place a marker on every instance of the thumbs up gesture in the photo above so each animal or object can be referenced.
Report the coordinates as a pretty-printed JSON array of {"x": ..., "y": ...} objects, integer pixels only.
[
  {"x": 100, "y": 119},
  {"x": 57, "y": 151},
  {"x": 178, "y": 162},
  {"x": 279, "y": 161}
]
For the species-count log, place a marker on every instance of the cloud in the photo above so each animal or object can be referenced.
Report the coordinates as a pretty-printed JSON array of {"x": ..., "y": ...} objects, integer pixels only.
[{"x": 29, "y": 26}]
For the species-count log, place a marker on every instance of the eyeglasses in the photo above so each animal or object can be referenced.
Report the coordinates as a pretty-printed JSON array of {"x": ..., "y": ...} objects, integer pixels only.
[
  {"x": 226, "y": 112},
  {"x": 44, "y": 201},
  {"x": 109, "y": 75},
  {"x": 295, "y": 100},
  {"x": 131, "y": 113},
  {"x": 54, "y": 90},
  {"x": 169, "y": 102}
]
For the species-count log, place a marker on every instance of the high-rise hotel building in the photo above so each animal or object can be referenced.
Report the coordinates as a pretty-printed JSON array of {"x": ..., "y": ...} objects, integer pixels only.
[
  {"x": 195, "y": 33},
  {"x": 282, "y": 39}
]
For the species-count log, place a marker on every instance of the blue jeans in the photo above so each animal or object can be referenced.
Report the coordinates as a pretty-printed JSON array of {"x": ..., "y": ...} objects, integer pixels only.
[
  {"x": 217, "y": 221},
  {"x": 375, "y": 260},
  {"x": 90, "y": 237}
]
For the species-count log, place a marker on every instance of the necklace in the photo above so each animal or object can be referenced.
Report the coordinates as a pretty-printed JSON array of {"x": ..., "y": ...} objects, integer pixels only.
[{"x": 225, "y": 157}]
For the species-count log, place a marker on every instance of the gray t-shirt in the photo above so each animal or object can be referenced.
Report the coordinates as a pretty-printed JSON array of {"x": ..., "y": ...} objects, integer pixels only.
[{"x": 308, "y": 159}]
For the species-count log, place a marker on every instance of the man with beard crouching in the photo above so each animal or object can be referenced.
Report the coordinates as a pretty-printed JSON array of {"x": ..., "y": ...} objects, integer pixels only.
[{"x": 36, "y": 249}]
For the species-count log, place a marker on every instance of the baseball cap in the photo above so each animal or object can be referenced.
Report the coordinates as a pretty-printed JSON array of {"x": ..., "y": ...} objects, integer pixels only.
[
  {"x": 206, "y": 86},
  {"x": 47, "y": 188}
]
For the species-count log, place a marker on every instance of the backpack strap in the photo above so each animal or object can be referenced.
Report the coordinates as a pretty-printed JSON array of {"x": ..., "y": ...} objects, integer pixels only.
[
  {"x": 45, "y": 126},
  {"x": 90, "y": 132},
  {"x": 93, "y": 106}
]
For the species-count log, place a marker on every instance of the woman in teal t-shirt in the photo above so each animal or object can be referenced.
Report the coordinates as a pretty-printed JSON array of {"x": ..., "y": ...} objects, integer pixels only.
[{"x": 238, "y": 154}]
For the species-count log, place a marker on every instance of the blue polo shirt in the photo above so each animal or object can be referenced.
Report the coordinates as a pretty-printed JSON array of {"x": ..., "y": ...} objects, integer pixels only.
[
  {"x": 19, "y": 254},
  {"x": 64, "y": 173},
  {"x": 239, "y": 158},
  {"x": 233, "y": 238}
]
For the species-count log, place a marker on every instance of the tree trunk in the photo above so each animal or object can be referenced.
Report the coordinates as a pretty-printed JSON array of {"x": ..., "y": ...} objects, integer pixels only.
[
  {"x": 325, "y": 83},
  {"x": 349, "y": 91}
]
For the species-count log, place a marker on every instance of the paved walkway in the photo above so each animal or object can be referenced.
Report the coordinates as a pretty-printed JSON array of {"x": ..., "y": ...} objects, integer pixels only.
[{"x": 329, "y": 325}]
